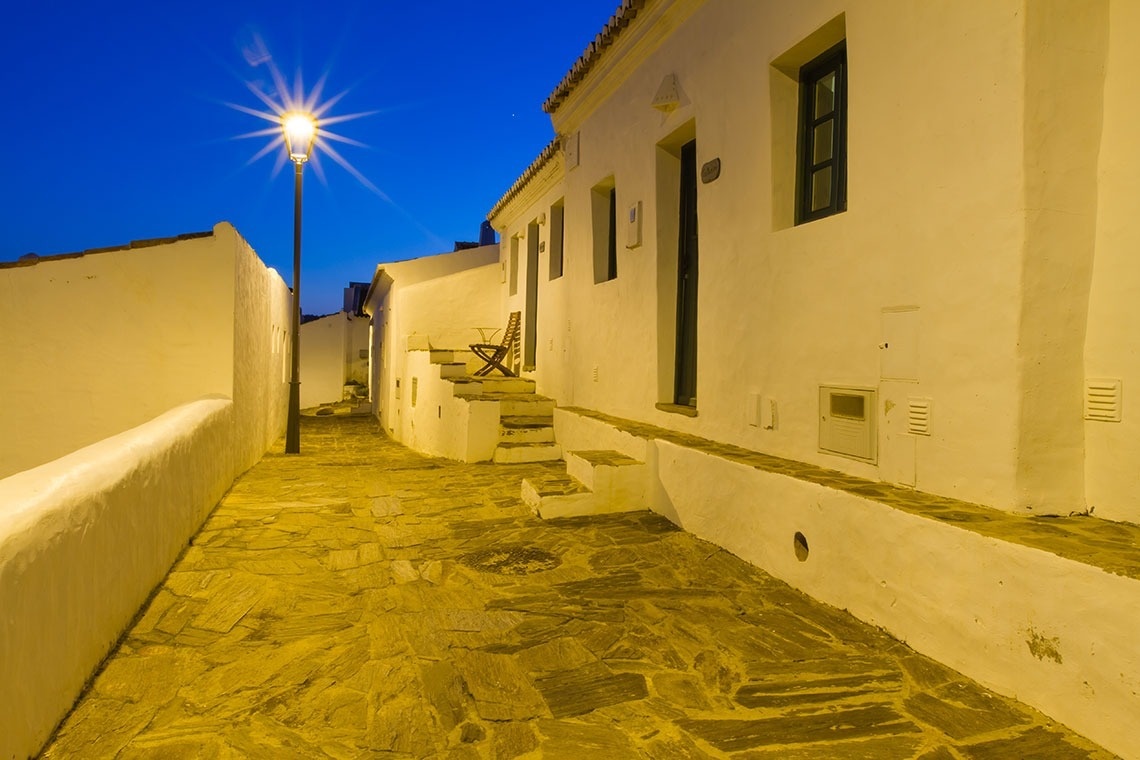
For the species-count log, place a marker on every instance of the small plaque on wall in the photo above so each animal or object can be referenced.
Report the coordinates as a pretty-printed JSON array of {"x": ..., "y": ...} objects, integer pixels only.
[{"x": 710, "y": 171}]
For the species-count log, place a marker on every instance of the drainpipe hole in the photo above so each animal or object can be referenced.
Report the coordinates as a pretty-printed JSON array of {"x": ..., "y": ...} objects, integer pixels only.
[{"x": 800, "y": 544}]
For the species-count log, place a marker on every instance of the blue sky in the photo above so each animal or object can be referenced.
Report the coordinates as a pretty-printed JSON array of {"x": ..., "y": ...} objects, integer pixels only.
[{"x": 118, "y": 122}]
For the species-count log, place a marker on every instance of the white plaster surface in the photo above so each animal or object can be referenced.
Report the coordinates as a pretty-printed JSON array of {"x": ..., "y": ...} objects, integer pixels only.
[
  {"x": 435, "y": 301},
  {"x": 1022, "y": 112},
  {"x": 95, "y": 345},
  {"x": 329, "y": 357},
  {"x": 1112, "y": 449},
  {"x": 83, "y": 540},
  {"x": 439, "y": 423},
  {"x": 85, "y": 535}
]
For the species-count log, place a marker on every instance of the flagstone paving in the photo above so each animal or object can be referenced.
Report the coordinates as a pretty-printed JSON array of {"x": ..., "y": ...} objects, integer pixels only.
[{"x": 362, "y": 600}]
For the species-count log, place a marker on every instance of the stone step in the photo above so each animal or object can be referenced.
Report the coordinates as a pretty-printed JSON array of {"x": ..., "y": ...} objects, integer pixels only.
[
  {"x": 524, "y": 421},
  {"x": 599, "y": 469},
  {"x": 516, "y": 453},
  {"x": 443, "y": 356},
  {"x": 469, "y": 386},
  {"x": 596, "y": 482},
  {"x": 452, "y": 369},
  {"x": 524, "y": 405},
  {"x": 559, "y": 495},
  {"x": 526, "y": 433}
]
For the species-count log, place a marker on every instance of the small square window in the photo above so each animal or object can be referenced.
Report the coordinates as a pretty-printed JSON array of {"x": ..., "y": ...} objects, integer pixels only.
[{"x": 822, "y": 155}]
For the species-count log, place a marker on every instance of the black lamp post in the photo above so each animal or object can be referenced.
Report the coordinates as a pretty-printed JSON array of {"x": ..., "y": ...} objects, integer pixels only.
[{"x": 300, "y": 134}]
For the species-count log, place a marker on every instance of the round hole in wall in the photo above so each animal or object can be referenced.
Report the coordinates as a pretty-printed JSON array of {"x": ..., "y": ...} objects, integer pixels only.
[{"x": 800, "y": 544}]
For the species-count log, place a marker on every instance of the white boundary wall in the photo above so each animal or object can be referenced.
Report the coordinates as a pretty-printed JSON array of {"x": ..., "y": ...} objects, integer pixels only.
[
  {"x": 84, "y": 540},
  {"x": 141, "y": 335}
]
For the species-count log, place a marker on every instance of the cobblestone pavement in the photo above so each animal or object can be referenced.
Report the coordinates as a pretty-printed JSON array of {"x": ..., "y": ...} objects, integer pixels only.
[{"x": 361, "y": 600}]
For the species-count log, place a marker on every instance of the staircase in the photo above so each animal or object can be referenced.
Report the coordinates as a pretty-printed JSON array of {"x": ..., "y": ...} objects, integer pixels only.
[
  {"x": 596, "y": 482},
  {"x": 526, "y": 420}
]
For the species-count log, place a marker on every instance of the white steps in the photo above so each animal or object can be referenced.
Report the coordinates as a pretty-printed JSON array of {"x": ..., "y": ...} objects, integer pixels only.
[
  {"x": 526, "y": 420},
  {"x": 518, "y": 453},
  {"x": 596, "y": 482}
]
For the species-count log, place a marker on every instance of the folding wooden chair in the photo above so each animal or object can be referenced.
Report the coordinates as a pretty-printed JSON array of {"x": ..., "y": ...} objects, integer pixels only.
[{"x": 495, "y": 354}]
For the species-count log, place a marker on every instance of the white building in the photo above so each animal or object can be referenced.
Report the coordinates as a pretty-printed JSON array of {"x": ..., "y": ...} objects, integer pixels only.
[
  {"x": 334, "y": 358},
  {"x": 913, "y": 267}
]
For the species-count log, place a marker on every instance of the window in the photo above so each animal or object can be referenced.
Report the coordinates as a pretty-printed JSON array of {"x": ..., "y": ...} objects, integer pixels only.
[
  {"x": 557, "y": 237},
  {"x": 822, "y": 172},
  {"x": 603, "y": 202}
]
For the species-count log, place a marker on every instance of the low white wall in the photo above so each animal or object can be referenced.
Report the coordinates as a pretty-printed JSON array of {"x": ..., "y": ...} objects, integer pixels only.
[
  {"x": 1054, "y": 633},
  {"x": 83, "y": 541},
  {"x": 430, "y": 418}
]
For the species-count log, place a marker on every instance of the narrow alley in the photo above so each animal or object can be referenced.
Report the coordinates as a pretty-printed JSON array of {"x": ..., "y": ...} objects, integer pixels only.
[{"x": 363, "y": 600}]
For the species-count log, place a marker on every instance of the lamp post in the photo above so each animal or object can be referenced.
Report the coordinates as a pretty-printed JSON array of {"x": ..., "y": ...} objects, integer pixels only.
[{"x": 300, "y": 134}]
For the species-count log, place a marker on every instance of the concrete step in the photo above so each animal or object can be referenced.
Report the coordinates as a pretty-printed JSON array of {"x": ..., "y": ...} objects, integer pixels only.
[
  {"x": 559, "y": 495},
  {"x": 596, "y": 482},
  {"x": 453, "y": 369},
  {"x": 526, "y": 433},
  {"x": 468, "y": 386},
  {"x": 524, "y": 405},
  {"x": 517, "y": 453},
  {"x": 443, "y": 356}
]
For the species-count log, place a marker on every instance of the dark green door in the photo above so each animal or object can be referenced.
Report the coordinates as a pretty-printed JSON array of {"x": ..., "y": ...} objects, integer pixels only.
[{"x": 685, "y": 383}]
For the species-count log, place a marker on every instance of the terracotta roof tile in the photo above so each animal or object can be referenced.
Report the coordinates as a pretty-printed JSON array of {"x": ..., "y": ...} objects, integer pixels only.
[
  {"x": 622, "y": 17},
  {"x": 535, "y": 167}
]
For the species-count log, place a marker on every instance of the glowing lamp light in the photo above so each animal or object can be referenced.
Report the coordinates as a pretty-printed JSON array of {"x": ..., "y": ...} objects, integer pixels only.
[{"x": 300, "y": 134}]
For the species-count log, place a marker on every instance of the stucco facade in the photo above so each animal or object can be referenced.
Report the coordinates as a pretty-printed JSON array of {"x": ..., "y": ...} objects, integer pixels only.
[
  {"x": 971, "y": 291},
  {"x": 97, "y": 343},
  {"x": 334, "y": 352},
  {"x": 977, "y": 269}
]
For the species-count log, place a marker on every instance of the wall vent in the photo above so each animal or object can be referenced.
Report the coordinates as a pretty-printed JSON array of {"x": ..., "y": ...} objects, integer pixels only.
[
  {"x": 1102, "y": 400},
  {"x": 847, "y": 422},
  {"x": 918, "y": 416}
]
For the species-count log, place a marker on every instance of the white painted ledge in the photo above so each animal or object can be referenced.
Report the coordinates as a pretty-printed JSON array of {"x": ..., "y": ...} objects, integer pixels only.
[{"x": 83, "y": 541}]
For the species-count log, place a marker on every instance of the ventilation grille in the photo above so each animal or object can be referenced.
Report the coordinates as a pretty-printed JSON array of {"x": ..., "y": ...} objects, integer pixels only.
[
  {"x": 918, "y": 416},
  {"x": 1102, "y": 400}
]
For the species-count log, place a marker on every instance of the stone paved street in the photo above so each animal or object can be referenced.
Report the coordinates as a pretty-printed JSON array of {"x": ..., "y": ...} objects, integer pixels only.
[{"x": 362, "y": 600}]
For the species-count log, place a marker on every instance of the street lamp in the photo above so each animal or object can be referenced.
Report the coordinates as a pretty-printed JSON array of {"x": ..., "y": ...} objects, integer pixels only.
[{"x": 300, "y": 134}]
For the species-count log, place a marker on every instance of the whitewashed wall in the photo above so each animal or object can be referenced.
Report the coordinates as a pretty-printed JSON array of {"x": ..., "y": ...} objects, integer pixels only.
[
  {"x": 83, "y": 541},
  {"x": 966, "y": 250},
  {"x": 97, "y": 344},
  {"x": 86, "y": 535},
  {"x": 437, "y": 300},
  {"x": 322, "y": 360},
  {"x": 1112, "y": 351}
]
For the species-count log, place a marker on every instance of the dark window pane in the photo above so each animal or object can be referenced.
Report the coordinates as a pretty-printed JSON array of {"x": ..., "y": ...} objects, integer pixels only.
[
  {"x": 844, "y": 405},
  {"x": 822, "y": 142},
  {"x": 825, "y": 95},
  {"x": 821, "y": 188}
]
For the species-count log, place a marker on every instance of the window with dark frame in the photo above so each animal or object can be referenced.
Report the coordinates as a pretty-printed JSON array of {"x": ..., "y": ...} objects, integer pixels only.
[
  {"x": 822, "y": 160},
  {"x": 557, "y": 238}
]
